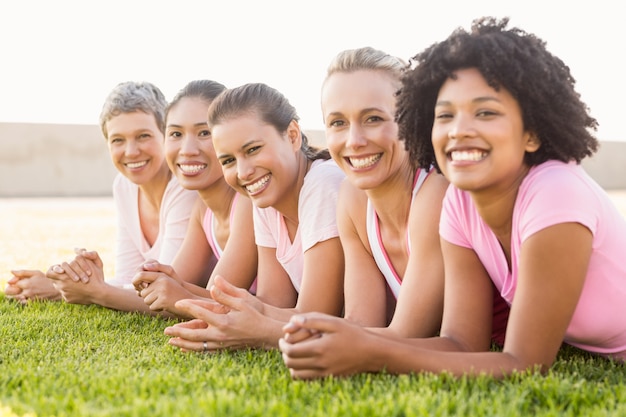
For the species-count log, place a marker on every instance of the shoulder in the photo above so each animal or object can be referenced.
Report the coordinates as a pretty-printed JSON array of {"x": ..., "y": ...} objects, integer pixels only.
[
  {"x": 124, "y": 191},
  {"x": 429, "y": 199},
  {"x": 455, "y": 198},
  {"x": 556, "y": 192},
  {"x": 241, "y": 200},
  {"x": 458, "y": 212},
  {"x": 122, "y": 184},
  {"x": 434, "y": 188},
  {"x": 176, "y": 194},
  {"x": 324, "y": 171},
  {"x": 243, "y": 206},
  {"x": 199, "y": 210},
  {"x": 264, "y": 214},
  {"x": 351, "y": 199},
  {"x": 174, "y": 188},
  {"x": 323, "y": 179},
  {"x": 350, "y": 191},
  {"x": 552, "y": 172},
  {"x": 556, "y": 183}
]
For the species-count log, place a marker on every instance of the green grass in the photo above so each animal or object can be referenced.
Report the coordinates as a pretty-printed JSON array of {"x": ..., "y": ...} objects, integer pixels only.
[{"x": 69, "y": 360}]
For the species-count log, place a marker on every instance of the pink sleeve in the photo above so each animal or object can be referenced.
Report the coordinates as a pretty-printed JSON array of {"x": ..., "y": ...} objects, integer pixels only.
[
  {"x": 131, "y": 247},
  {"x": 127, "y": 250},
  {"x": 550, "y": 196},
  {"x": 452, "y": 228},
  {"x": 175, "y": 213},
  {"x": 317, "y": 205},
  {"x": 264, "y": 222}
]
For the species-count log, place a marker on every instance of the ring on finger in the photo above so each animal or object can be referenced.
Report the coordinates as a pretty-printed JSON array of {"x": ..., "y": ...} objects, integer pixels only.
[{"x": 205, "y": 346}]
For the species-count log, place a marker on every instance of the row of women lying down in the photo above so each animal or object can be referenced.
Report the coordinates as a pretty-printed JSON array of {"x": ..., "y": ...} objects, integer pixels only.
[{"x": 461, "y": 166}]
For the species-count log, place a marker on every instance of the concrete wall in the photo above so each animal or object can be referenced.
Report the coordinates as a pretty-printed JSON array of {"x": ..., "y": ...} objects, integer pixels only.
[
  {"x": 608, "y": 165},
  {"x": 49, "y": 160},
  {"x": 53, "y": 160}
]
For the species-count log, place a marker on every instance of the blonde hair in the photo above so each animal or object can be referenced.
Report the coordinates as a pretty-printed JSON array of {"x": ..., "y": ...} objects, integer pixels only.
[{"x": 366, "y": 58}]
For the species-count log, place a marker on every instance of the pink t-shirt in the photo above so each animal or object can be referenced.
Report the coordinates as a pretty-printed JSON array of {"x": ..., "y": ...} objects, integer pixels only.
[
  {"x": 317, "y": 219},
  {"x": 132, "y": 248},
  {"x": 552, "y": 193}
]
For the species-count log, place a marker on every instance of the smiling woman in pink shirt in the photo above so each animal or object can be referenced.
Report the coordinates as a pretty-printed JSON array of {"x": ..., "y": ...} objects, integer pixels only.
[{"x": 498, "y": 115}]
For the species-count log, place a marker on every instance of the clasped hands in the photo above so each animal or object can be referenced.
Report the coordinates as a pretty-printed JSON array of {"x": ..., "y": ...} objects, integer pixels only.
[
  {"x": 232, "y": 319},
  {"x": 79, "y": 280},
  {"x": 160, "y": 287}
]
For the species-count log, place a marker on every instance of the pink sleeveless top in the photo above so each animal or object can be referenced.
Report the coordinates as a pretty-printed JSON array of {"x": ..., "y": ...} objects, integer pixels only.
[{"x": 208, "y": 225}]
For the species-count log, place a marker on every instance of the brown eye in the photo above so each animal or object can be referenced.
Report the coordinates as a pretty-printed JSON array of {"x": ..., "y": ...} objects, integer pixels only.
[{"x": 252, "y": 149}]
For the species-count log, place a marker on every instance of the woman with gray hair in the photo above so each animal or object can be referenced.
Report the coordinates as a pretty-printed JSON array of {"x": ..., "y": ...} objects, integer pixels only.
[{"x": 153, "y": 209}]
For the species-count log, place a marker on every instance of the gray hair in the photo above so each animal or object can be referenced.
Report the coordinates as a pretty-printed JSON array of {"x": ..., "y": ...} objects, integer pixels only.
[{"x": 131, "y": 96}]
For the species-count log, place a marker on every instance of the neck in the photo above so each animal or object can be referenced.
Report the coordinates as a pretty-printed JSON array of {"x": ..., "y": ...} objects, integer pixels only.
[
  {"x": 495, "y": 207},
  {"x": 218, "y": 198},
  {"x": 152, "y": 192},
  {"x": 392, "y": 198},
  {"x": 288, "y": 206}
]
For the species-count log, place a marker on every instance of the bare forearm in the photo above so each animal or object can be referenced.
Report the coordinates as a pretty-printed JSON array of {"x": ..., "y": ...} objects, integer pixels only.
[
  {"x": 272, "y": 331},
  {"x": 123, "y": 299},
  {"x": 279, "y": 314},
  {"x": 197, "y": 290},
  {"x": 437, "y": 355}
]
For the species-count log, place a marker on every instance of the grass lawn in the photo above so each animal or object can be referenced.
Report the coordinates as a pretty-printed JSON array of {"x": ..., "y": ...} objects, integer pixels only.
[{"x": 68, "y": 360}]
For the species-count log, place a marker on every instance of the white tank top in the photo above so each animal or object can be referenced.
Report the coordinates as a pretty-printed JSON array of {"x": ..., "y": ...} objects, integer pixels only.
[{"x": 378, "y": 249}]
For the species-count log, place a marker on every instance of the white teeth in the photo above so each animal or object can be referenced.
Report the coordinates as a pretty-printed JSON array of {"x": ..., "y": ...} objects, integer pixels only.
[
  {"x": 253, "y": 188},
  {"x": 467, "y": 155},
  {"x": 133, "y": 165},
  {"x": 191, "y": 169},
  {"x": 365, "y": 162}
]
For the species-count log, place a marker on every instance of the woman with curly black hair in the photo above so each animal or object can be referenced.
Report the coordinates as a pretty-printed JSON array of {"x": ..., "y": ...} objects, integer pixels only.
[{"x": 498, "y": 115}]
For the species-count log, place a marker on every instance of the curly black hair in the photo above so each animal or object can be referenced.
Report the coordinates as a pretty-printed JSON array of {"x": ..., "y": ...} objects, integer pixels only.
[{"x": 507, "y": 58}]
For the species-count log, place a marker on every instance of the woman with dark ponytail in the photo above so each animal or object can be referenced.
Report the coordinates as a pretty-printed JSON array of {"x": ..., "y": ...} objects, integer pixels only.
[{"x": 293, "y": 187}]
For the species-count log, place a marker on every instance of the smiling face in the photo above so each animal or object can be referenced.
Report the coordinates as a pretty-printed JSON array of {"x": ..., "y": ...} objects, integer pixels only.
[
  {"x": 478, "y": 134},
  {"x": 257, "y": 160},
  {"x": 188, "y": 145},
  {"x": 362, "y": 136},
  {"x": 136, "y": 146}
]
